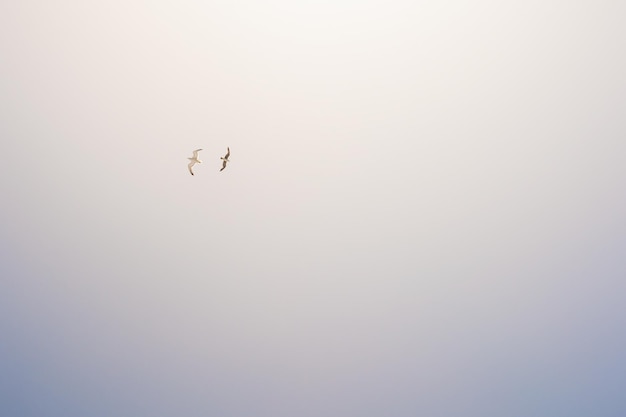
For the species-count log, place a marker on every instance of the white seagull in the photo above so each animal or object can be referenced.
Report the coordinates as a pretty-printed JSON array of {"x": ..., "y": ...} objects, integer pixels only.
[
  {"x": 225, "y": 159},
  {"x": 194, "y": 160}
]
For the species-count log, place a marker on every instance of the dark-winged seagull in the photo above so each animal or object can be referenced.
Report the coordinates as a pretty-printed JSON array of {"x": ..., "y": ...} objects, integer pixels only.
[
  {"x": 194, "y": 160},
  {"x": 225, "y": 159}
]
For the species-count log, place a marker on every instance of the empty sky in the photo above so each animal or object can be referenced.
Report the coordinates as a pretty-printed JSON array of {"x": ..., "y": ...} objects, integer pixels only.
[{"x": 424, "y": 213}]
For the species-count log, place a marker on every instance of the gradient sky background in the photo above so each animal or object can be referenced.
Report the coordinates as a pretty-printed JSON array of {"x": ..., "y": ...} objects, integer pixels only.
[{"x": 424, "y": 214}]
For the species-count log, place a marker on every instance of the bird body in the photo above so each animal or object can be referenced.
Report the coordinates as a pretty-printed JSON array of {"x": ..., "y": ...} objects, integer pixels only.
[{"x": 194, "y": 160}]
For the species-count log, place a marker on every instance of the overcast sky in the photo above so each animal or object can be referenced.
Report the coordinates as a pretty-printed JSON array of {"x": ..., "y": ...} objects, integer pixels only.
[{"x": 424, "y": 213}]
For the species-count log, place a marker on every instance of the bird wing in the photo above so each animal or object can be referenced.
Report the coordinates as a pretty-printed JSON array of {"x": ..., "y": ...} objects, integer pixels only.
[
  {"x": 227, "y": 153},
  {"x": 192, "y": 163},
  {"x": 223, "y": 165},
  {"x": 195, "y": 153}
]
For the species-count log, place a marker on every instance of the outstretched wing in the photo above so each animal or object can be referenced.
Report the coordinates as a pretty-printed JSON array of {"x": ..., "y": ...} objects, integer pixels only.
[
  {"x": 192, "y": 163},
  {"x": 195, "y": 153},
  {"x": 223, "y": 165},
  {"x": 227, "y": 153}
]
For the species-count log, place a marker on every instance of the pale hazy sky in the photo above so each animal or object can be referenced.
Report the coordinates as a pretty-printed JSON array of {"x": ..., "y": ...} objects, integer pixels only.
[{"x": 424, "y": 213}]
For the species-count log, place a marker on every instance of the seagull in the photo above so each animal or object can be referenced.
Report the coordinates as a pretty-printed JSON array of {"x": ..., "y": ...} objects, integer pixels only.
[
  {"x": 225, "y": 159},
  {"x": 194, "y": 160}
]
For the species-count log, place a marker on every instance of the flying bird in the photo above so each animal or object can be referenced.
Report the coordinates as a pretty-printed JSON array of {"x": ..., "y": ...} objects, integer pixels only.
[
  {"x": 225, "y": 159},
  {"x": 194, "y": 160}
]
